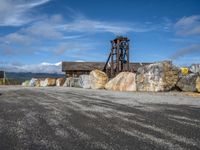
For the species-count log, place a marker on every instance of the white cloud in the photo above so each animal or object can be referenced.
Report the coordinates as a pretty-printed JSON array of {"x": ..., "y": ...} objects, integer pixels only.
[
  {"x": 51, "y": 64},
  {"x": 192, "y": 49},
  {"x": 17, "y": 38},
  {"x": 17, "y": 12},
  {"x": 187, "y": 26},
  {"x": 65, "y": 35},
  {"x": 79, "y": 61},
  {"x": 95, "y": 26},
  {"x": 35, "y": 68},
  {"x": 31, "y": 4},
  {"x": 44, "y": 30},
  {"x": 57, "y": 35},
  {"x": 187, "y": 21},
  {"x": 81, "y": 23},
  {"x": 74, "y": 47}
]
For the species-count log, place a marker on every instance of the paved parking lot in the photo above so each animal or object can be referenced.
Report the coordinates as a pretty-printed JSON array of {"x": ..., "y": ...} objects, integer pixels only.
[{"x": 68, "y": 118}]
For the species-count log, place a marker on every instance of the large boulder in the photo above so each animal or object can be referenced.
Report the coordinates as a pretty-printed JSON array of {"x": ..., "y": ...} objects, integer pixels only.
[
  {"x": 43, "y": 83},
  {"x": 48, "y": 82},
  {"x": 76, "y": 82},
  {"x": 72, "y": 82},
  {"x": 25, "y": 83},
  {"x": 60, "y": 81},
  {"x": 68, "y": 82},
  {"x": 124, "y": 81},
  {"x": 161, "y": 76},
  {"x": 85, "y": 81},
  {"x": 37, "y": 83},
  {"x": 98, "y": 79},
  {"x": 188, "y": 83},
  {"x": 195, "y": 68},
  {"x": 198, "y": 84},
  {"x": 34, "y": 82},
  {"x": 51, "y": 81}
]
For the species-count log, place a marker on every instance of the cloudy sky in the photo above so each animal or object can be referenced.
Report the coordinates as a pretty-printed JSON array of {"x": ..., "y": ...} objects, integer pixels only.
[{"x": 35, "y": 35}]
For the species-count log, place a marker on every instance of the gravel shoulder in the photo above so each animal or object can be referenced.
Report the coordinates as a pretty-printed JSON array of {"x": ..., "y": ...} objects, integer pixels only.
[{"x": 61, "y": 118}]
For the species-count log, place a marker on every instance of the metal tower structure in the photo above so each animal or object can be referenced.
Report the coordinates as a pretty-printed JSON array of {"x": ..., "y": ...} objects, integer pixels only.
[{"x": 118, "y": 59}]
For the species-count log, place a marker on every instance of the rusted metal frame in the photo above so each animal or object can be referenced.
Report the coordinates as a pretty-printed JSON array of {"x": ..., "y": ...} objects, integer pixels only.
[
  {"x": 119, "y": 56},
  {"x": 112, "y": 59},
  {"x": 117, "y": 59},
  {"x": 127, "y": 54}
]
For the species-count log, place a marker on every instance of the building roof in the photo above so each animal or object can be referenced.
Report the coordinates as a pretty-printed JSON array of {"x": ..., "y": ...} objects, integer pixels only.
[
  {"x": 89, "y": 66},
  {"x": 82, "y": 66}
]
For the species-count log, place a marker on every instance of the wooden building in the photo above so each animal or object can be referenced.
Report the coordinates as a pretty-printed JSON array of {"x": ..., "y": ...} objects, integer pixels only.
[{"x": 74, "y": 69}]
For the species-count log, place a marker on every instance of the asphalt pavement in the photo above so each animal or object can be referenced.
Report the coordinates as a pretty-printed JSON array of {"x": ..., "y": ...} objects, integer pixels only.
[{"x": 61, "y": 118}]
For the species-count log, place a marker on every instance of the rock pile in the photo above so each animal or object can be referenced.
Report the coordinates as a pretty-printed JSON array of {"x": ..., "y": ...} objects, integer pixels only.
[
  {"x": 188, "y": 83},
  {"x": 124, "y": 81},
  {"x": 156, "y": 77},
  {"x": 198, "y": 84},
  {"x": 60, "y": 81},
  {"x": 48, "y": 82},
  {"x": 98, "y": 79},
  {"x": 72, "y": 82},
  {"x": 34, "y": 82},
  {"x": 68, "y": 82},
  {"x": 195, "y": 68},
  {"x": 25, "y": 83},
  {"x": 85, "y": 81}
]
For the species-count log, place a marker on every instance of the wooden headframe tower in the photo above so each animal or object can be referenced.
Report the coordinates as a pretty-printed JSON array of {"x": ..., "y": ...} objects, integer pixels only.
[{"x": 118, "y": 59}]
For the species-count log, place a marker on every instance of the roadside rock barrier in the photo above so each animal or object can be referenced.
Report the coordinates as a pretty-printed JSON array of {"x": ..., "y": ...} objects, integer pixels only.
[
  {"x": 76, "y": 82},
  {"x": 48, "y": 82},
  {"x": 98, "y": 79},
  {"x": 124, "y": 81},
  {"x": 161, "y": 76},
  {"x": 43, "y": 83},
  {"x": 34, "y": 82},
  {"x": 85, "y": 81},
  {"x": 68, "y": 82},
  {"x": 60, "y": 81},
  {"x": 195, "y": 68},
  {"x": 198, "y": 84},
  {"x": 72, "y": 82},
  {"x": 26, "y": 83},
  {"x": 188, "y": 83},
  {"x": 51, "y": 81}
]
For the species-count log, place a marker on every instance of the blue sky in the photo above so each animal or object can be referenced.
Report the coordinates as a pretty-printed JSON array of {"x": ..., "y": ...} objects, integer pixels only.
[{"x": 35, "y": 35}]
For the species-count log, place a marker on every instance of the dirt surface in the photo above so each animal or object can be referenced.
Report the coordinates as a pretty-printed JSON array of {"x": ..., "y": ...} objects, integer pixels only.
[{"x": 77, "y": 119}]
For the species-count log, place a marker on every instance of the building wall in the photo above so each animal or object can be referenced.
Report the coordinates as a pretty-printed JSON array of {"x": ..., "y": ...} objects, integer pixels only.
[{"x": 76, "y": 73}]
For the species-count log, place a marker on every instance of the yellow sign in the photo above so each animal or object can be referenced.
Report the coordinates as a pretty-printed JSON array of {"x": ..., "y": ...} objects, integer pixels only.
[{"x": 184, "y": 71}]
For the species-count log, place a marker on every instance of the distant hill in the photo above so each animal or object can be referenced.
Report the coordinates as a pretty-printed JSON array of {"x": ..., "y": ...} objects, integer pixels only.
[{"x": 18, "y": 78}]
